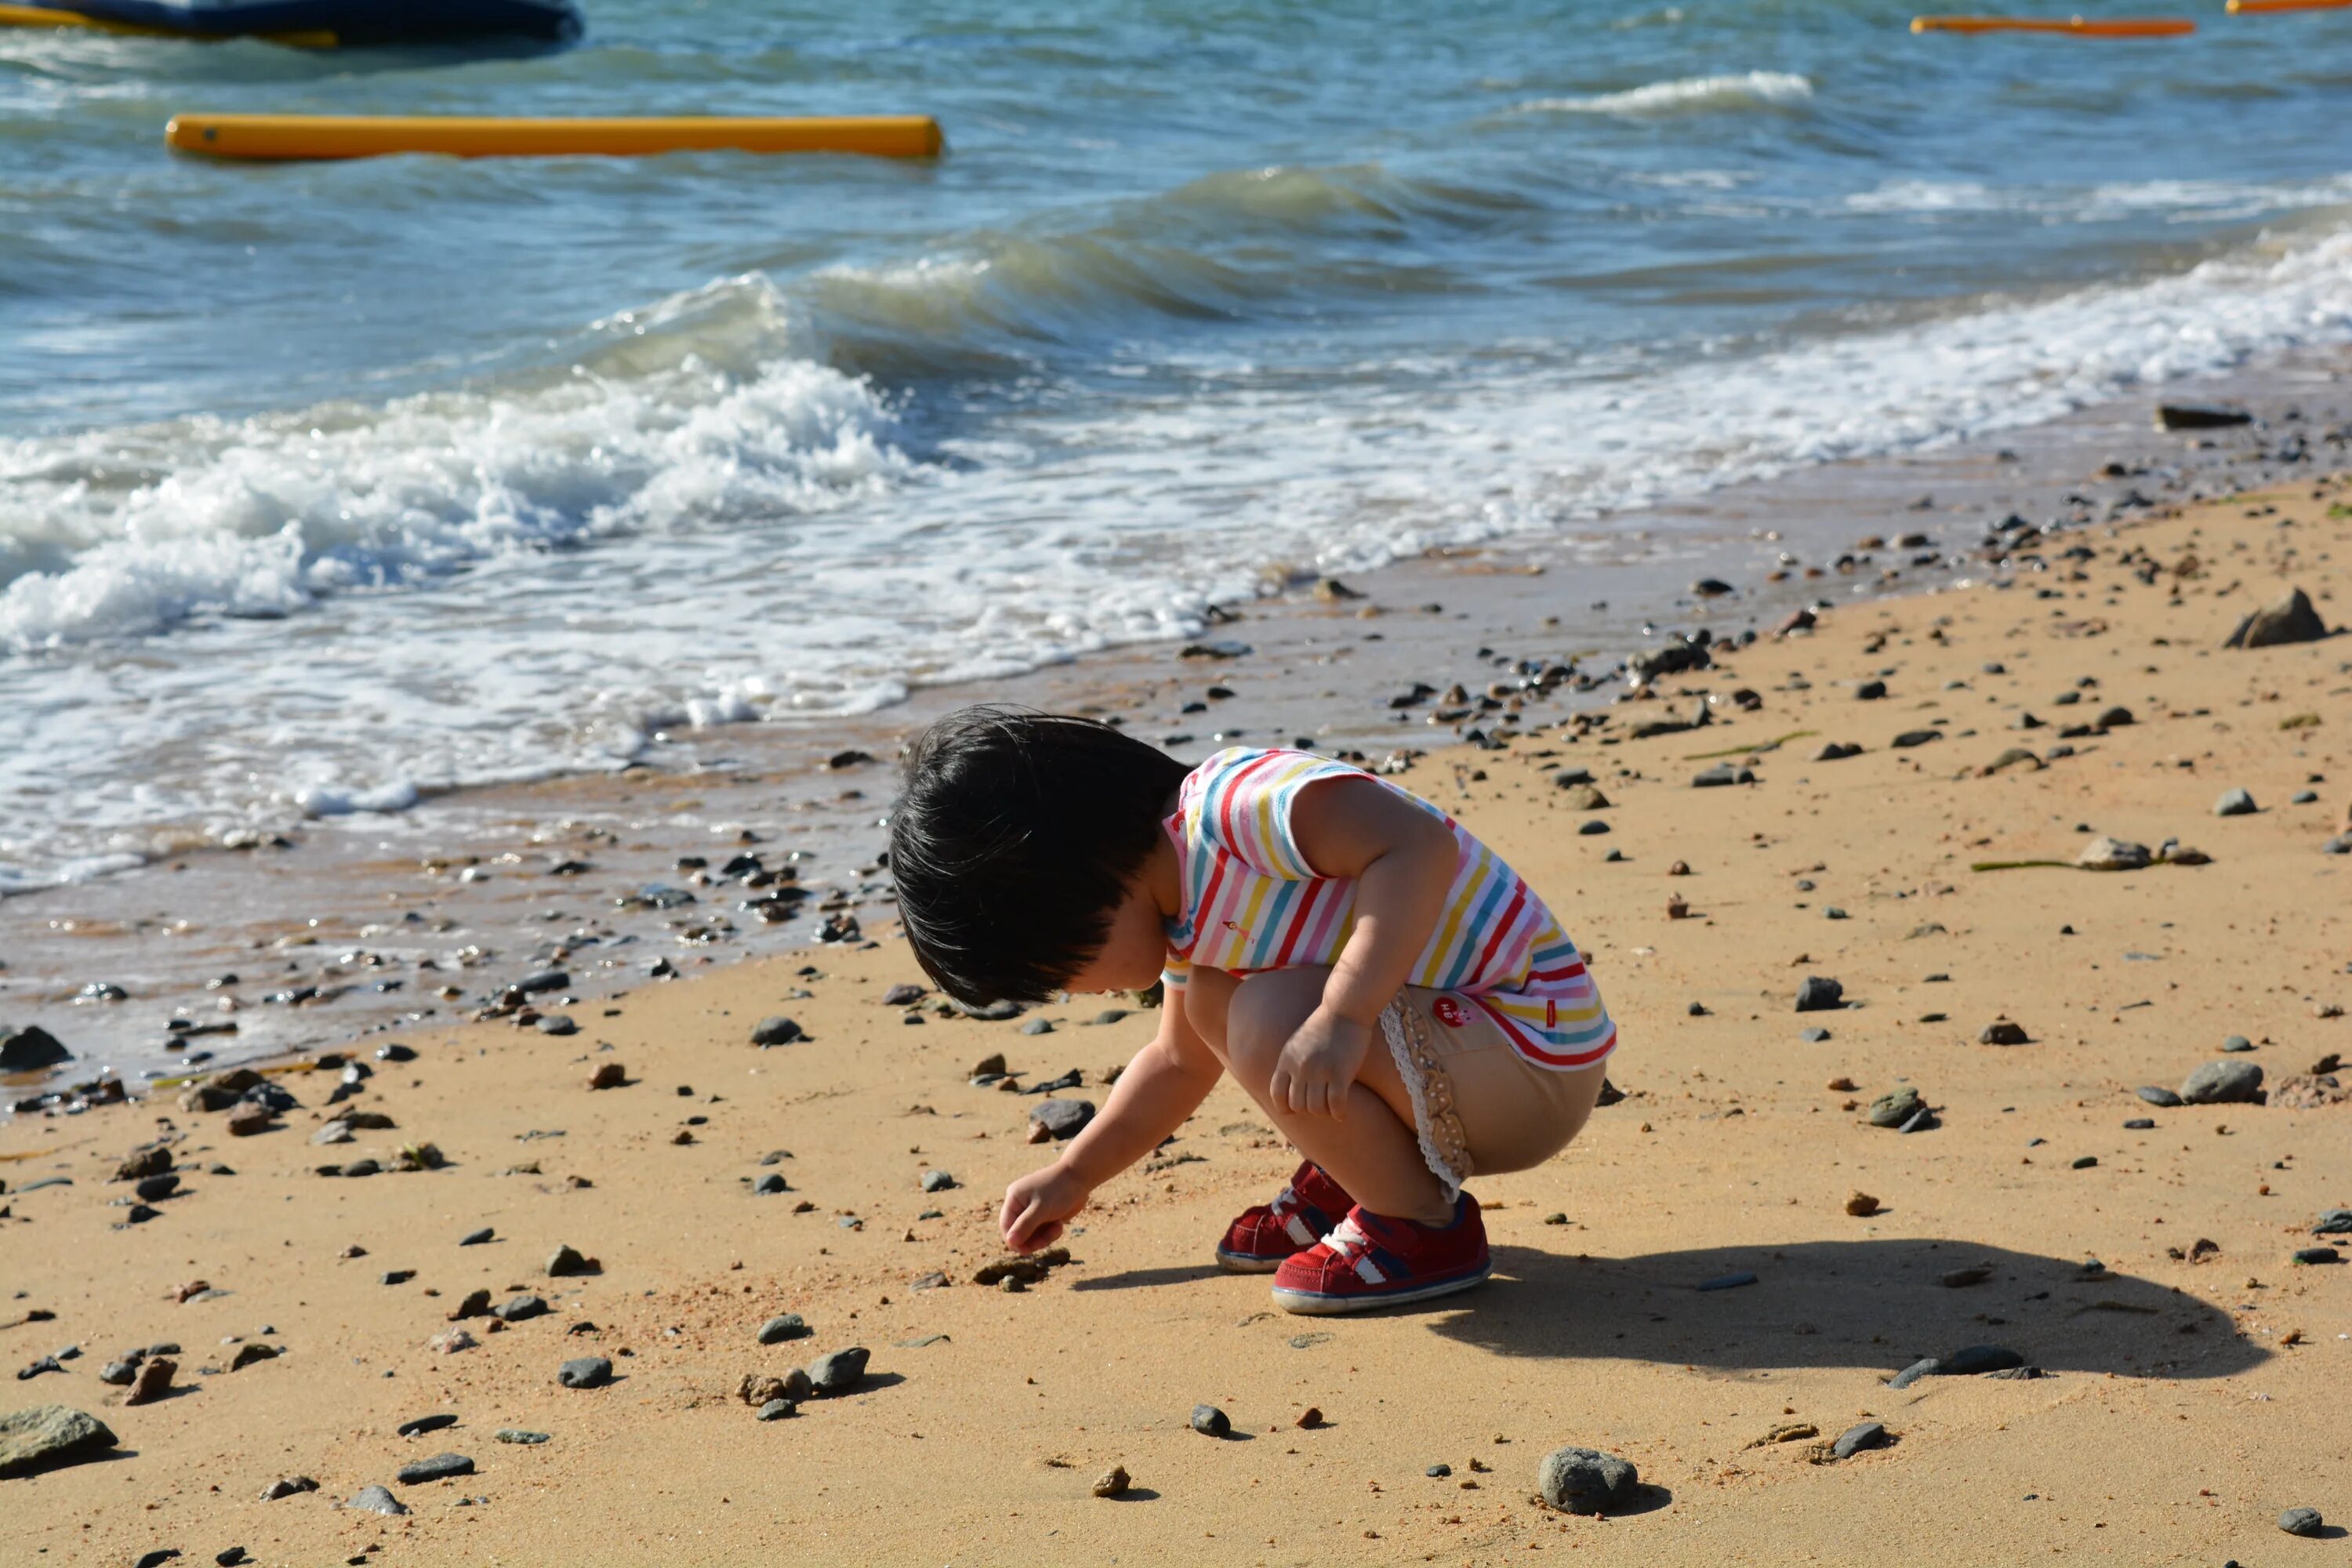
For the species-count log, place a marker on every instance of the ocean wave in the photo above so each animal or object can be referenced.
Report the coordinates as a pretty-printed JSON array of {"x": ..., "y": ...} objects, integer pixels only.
[
  {"x": 2204, "y": 200},
  {"x": 1686, "y": 94},
  {"x": 684, "y": 417}
]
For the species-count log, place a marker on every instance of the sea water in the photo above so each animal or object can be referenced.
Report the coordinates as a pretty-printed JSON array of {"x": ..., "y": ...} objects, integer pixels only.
[{"x": 324, "y": 487}]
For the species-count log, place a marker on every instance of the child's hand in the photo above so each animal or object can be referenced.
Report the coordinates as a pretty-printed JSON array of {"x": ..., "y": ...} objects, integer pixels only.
[
  {"x": 1035, "y": 1207},
  {"x": 1319, "y": 1065}
]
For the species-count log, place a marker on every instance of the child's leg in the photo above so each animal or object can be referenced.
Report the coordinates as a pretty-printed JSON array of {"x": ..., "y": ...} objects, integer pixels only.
[{"x": 1375, "y": 1152}]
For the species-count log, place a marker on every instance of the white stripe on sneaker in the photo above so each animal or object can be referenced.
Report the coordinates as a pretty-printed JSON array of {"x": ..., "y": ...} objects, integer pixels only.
[
  {"x": 1370, "y": 1272},
  {"x": 1300, "y": 1231}
]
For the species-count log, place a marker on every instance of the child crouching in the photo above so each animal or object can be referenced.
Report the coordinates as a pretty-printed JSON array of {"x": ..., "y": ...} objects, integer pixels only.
[{"x": 1390, "y": 992}]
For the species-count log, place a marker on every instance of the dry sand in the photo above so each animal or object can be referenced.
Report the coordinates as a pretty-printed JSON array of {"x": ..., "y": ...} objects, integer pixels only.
[{"x": 2185, "y": 1403}]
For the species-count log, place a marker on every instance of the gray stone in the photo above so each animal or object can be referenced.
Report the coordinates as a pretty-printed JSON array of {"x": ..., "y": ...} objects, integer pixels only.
[
  {"x": 478, "y": 1237},
  {"x": 2302, "y": 1522},
  {"x": 439, "y": 1467},
  {"x": 521, "y": 1310},
  {"x": 545, "y": 980},
  {"x": 2001, "y": 1032},
  {"x": 1586, "y": 1480},
  {"x": 787, "y": 1326},
  {"x": 1915, "y": 738},
  {"x": 567, "y": 1260},
  {"x": 376, "y": 1499},
  {"x": 2287, "y": 619},
  {"x": 1855, "y": 1439},
  {"x": 1930, "y": 1367},
  {"x": 289, "y": 1486},
  {"x": 517, "y": 1435},
  {"x": 775, "y": 1031},
  {"x": 1062, "y": 1119},
  {"x": 2313, "y": 1254},
  {"x": 586, "y": 1372},
  {"x": 2236, "y": 1044},
  {"x": 49, "y": 1436},
  {"x": 2114, "y": 855},
  {"x": 2156, "y": 1096},
  {"x": 1211, "y": 1422},
  {"x": 2139, "y": 1124},
  {"x": 2224, "y": 1082},
  {"x": 771, "y": 1185},
  {"x": 1036, "y": 1026},
  {"x": 1720, "y": 775},
  {"x": 1813, "y": 1036},
  {"x": 839, "y": 1372},
  {"x": 2235, "y": 803},
  {"x": 1438, "y": 1471},
  {"x": 903, "y": 994},
  {"x": 1971, "y": 1360},
  {"x": 1895, "y": 1108},
  {"x": 936, "y": 1181},
  {"x": 1590, "y": 827},
  {"x": 155, "y": 1189},
  {"x": 1820, "y": 994},
  {"x": 2333, "y": 1222},
  {"x": 777, "y": 1409},
  {"x": 424, "y": 1423},
  {"x": 558, "y": 1024}
]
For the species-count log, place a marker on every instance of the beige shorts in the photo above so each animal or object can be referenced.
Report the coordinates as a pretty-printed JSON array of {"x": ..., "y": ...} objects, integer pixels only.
[{"x": 1477, "y": 1104}]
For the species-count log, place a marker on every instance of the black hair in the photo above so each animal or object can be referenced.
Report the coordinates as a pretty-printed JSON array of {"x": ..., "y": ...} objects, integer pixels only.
[{"x": 1013, "y": 843}]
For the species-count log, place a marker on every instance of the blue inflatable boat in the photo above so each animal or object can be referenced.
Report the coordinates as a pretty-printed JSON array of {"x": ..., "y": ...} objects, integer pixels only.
[{"x": 323, "y": 23}]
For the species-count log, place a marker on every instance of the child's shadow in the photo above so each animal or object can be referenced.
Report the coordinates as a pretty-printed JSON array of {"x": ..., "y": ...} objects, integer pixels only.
[{"x": 1844, "y": 1303}]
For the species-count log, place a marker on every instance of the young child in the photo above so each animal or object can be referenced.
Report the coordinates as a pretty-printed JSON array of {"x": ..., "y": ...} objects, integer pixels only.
[{"x": 1387, "y": 989}]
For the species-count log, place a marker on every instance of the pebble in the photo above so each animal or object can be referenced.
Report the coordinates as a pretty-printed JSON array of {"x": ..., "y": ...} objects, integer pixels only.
[
  {"x": 786, "y": 1326},
  {"x": 2237, "y": 1044},
  {"x": 1036, "y": 1026},
  {"x": 839, "y": 1372},
  {"x": 1927, "y": 1367},
  {"x": 777, "y": 1409},
  {"x": 1556, "y": 1217},
  {"x": 2139, "y": 1124},
  {"x": 1855, "y": 1439},
  {"x": 2084, "y": 1161},
  {"x": 246, "y": 1355},
  {"x": 2235, "y": 803},
  {"x": 1860, "y": 1205},
  {"x": 586, "y": 1372},
  {"x": 771, "y": 1185},
  {"x": 235, "y": 1557},
  {"x": 1869, "y": 690},
  {"x": 2114, "y": 855},
  {"x": 288, "y": 1485},
  {"x": 1590, "y": 827},
  {"x": 1973, "y": 1360},
  {"x": 2001, "y": 1032},
  {"x": 439, "y": 1467},
  {"x": 936, "y": 1181},
  {"x": 2156, "y": 1096},
  {"x": 903, "y": 994},
  {"x": 1055, "y": 1120},
  {"x": 1586, "y": 1480},
  {"x": 1819, "y": 994},
  {"x": 424, "y": 1423},
  {"x": 1726, "y": 1282},
  {"x": 152, "y": 1380},
  {"x": 557, "y": 1024},
  {"x": 520, "y": 1309},
  {"x": 476, "y": 1304},
  {"x": 478, "y": 1237},
  {"x": 49, "y": 1434},
  {"x": 990, "y": 1066},
  {"x": 2301, "y": 1521},
  {"x": 2333, "y": 1222},
  {"x": 1113, "y": 1483},
  {"x": 517, "y": 1435},
  {"x": 2223, "y": 1083},
  {"x": 2317, "y": 1254},
  {"x": 567, "y": 1260},
  {"x": 1722, "y": 775},
  {"x": 1917, "y": 737},
  {"x": 1837, "y": 752},
  {"x": 608, "y": 1075},
  {"x": 1814, "y": 1036},
  {"x": 1895, "y": 1108},
  {"x": 1438, "y": 1471},
  {"x": 155, "y": 1559},
  {"x": 1211, "y": 1422},
  {"x": 775, "y": 1031},
  {"x": 375, "y": 1499}
]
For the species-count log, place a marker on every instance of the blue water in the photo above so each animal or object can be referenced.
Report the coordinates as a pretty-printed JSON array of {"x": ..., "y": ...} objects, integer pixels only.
[{"x": 323, "y": 484}]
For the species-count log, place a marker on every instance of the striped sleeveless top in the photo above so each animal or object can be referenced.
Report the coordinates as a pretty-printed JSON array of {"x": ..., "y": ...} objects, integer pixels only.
[{"x": 1251, "y": 902}]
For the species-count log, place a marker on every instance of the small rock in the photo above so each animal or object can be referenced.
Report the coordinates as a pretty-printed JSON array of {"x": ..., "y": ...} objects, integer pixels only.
[
  {"x": 476, "y": 1304},
  {"x": 1972, "y": 1360},
  {"x": 902, "y": 994},
  {"x": 586, "y": 1372},
  {"x": 2224, "y": 1082},
  {"x": 1112, "y": 1482},
  {"x": 2139, "y": 1124},
  {"x": 1860, "y": 1205},
  {"x": 2317, "y": 1255},
  {"x": 1586, "y": 1480},
  {"x": 2163, "y": 1098},
  {"x": 449, "y": 1341},
  {"x": 775, "y": 1031},
  {"x": 247, "y": 1354},
  {"x": 1722, "y": 775},
  {"x": 2236, "y": 1045},
  {"x": 1915, "y": 738},
  {"x": 1211, "y": 1422},
  {"x": 2333, "y": 1222},
  {"x": 1930, "y": 1367},
  {"x": 1054, "y": 1119},
  {"x": 936, "y": 1181},
  {"x": 520, "y": 1309},
  {"x": 990, "y": 1066},
  {"x": 2235, "y": 803},
  {"x": 557, "y": 1024},
  {"x": 566, "y": 1261},
  {"x": 1855, "y": 1439},
  {"x": 608, "y": 1075},
  {"x": 1819, "y": 994},
  {"x": 48, "y": 1436},
  {"x": 478, "y": 1237},
  {"x": 375, "y": 1499},
  {"x": 1814, "y": 1036},
  {"x": 777, "y": 1409},
  {"x": 1036, "y": 1026},
  {"x": 439, "y": 1467},
  {"x": 154, "y": 1380},
  {"x": 2114, "y": 855},
  {"x": 839, "y": 1372},
  {"x": 30, "y": 1048},
  {"x": 424, "y": 1423},
  {"x": 2084, "y": 1161},
  {"x": 2288, "y": 619},
  {"x": 288, "y": 1485},
  {"x": 1438, "y": 1472},
  {"x": 769, "y": 1185},
  {"x": 2001, "y": 1032},
  {"x": 786, "y": 1326},
  {"x": 2301, "y": 1521},
  {"x": 248, "y": 1120},
  {"x": 517, "y": 1435},
  {"x": 1584, "y": 797},
  {"x": 1895, "y": 1108},
  {"x": 1591, "y": 825}
]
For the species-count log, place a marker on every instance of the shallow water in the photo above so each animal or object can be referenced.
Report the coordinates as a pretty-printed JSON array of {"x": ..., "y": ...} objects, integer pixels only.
[{"x": 323, "y": 487}]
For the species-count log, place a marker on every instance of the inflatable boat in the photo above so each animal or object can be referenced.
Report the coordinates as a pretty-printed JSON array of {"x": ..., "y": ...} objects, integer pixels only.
[{"x": 314, "y": 24}]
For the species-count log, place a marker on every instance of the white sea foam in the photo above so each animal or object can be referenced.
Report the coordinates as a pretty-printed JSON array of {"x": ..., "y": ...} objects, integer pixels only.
[
  {"x": 2205, "y": 200},
  {"x": 1686, "y": 94}
]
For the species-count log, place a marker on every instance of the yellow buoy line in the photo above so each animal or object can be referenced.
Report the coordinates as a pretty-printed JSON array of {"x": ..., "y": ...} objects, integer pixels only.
[
  {"x": 315, "y": 137},
  {"x": 42, "y": 17}
]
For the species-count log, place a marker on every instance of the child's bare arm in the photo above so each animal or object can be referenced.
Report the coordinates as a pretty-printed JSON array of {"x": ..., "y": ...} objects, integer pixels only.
[
  {"x": 1163, "y": 1085},
  {"x": 1403, "y": 860}
]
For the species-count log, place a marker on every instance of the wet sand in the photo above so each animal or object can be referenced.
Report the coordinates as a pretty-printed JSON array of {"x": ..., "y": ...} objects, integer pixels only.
[{"x": 2188, "y": 1393}]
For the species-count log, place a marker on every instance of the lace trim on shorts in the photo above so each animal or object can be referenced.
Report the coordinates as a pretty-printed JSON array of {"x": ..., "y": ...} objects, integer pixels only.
[{"x": 1443, "y": 1144}]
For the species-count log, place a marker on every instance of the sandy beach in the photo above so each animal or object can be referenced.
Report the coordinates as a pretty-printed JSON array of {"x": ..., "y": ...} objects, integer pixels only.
[{"x": 2187, "y": 1372}]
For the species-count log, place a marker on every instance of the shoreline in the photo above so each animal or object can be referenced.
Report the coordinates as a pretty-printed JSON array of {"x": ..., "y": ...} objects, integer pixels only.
[
  {"x": 465, "y": 865},
  {"x": 1735, "y": 1150}
]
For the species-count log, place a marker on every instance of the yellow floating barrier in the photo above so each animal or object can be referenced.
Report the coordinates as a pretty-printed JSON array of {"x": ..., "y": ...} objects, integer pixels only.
[
  {"x": 2078, "y": 26},
  {"x": 2255, "y": 7},
  {"x": 281, "y": 137},
  {"x": 42, "y": 17}
]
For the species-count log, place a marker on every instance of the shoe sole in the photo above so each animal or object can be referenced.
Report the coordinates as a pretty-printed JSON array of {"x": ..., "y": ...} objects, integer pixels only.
[
  {"x": 1243, "y": 1263},
  {"x": 1312, "y": 1304}
]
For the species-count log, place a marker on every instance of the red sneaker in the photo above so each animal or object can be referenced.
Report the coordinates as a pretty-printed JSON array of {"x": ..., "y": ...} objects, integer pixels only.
[
  {"x": 1370, "y": 1260},
  {"x": 1262, "y": 1236}
]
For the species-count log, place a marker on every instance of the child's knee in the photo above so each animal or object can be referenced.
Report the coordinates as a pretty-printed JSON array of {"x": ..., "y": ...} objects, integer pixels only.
[{"x": 1265, "y": 1011}]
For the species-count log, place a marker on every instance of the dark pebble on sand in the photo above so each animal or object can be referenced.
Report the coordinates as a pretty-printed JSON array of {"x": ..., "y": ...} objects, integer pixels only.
[
  {"x": 2333, "y": 1222},
  {"x": 424, "y": 1423},
  {"x": 1930, "y": 1367},
  {"x": 2001, "y": 1032},
  {"x": 557, "y": 1024},
  {"x": 520, "y": 1309},
  {"x": 567, "y": 1260},
  {"x": 839, "y": 1372},
  {"x": 1585, "y": 1480},
  {"x": 2163, "y": 1098},
  {"x": 902, "y": 994},
  {"x": 1855, "y": 1439},
  {"x": 2139, "y": 1124},
  {"x": 1917, "y": 737},
  {"x": 1814, "y": 1036},
  {"x": 395, "y": 1052},
  {"x": 2301, "y": 1521},
  {"x": 1038, "y": 1026},
  {"x": 1438, "y": 1472},
  {"x": 1726, "y": 1282},
  {"x": 785, "y": 1326},
  {"x": 1820, "y": 994},
  {"x": 1972, "y": 1360},
  {"x": 397, "y": 1277},
  {"x": 2084, "y": 1161},
  {"x": 769, "y": 1185},
  {"x": 1211, "y": 1422},
  {"x": 288, "y": 1485},
  {"x": 586, "y": 1372},
  {"x": 2237, "y": 1044},
  {"x": 246, "y": 1355},
  {"x": 775, "y": 1031},
  {"x": 155, "y": 1559},
  {"x": 777, "y": 1409},
  {"x": 2317, "y": 1254},
  {"x": 517, "y": 1435},
  {"x": 936, "y": 1181},
  {"x": 476, "y": 1238},
  {"x": 376, "y": 1499},
  {"x": 1060, "y": 1118},
  {"x": 1869, "y": 690},
  {"x": 1592, "y": 826},
  {"x": 439, "y": 1467}
]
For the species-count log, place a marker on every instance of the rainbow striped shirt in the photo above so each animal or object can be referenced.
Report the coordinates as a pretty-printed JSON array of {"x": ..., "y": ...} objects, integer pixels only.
[{"x": 1251, "y": 903}]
